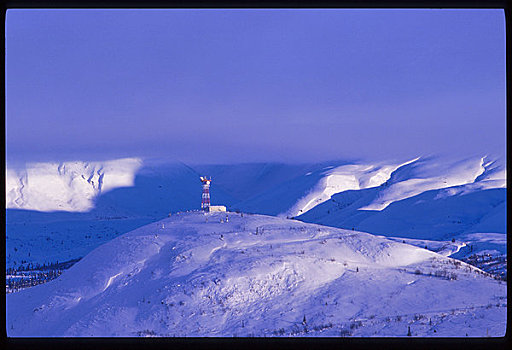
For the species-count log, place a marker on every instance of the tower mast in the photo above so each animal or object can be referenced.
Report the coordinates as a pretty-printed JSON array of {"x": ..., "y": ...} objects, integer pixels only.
[{"x": 205, "y": 202}]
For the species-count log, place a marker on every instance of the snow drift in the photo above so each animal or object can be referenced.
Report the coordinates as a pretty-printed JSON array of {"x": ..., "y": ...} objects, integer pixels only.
[
  {"x": 337, "y": 194},
  {"x": 231, "y": 275}
]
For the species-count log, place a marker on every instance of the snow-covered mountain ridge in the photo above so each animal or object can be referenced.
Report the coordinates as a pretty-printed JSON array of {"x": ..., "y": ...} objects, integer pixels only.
[
  {"x": 66, "y": 186},
  {"x": 73, "y": 186},
  {"x": 226, "y": 274},
  {"x": 401, "y": 181},
  {"x": 432, "y": 175},
  {"x": 147, "y": 191},
  {"x": 343, "y": 178}
]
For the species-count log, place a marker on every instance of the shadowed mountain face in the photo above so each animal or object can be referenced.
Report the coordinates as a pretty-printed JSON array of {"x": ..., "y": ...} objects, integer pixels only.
[
  {"x": 427, "y": 198},
  {"x": 146, "y": 274},
  {"x": 427, "y": 215},
  {"x": 158, "y": 189}
]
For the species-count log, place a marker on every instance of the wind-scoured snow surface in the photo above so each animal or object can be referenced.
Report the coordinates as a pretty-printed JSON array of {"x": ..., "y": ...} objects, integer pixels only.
[
  {"x": 422, "y": 176},
  {"x": 193, "y": 275},
  {"x": 67, "y": 186},
  {"x": 343, "y": 178},
  {"x": 423, "y": 198},
  {"x": 430, "y": 198}
]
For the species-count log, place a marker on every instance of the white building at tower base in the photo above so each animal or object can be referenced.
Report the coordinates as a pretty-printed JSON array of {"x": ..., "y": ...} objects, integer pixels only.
[{"x": 216, "y": 208}]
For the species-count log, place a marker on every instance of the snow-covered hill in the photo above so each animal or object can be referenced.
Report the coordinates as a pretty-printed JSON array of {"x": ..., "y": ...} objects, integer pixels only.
[
  {"x": 39, "y": 237},
  {"x": 159, "y": 187},
  {"x": 226, "y": 274},
  {"x": 429, "y": 198}
]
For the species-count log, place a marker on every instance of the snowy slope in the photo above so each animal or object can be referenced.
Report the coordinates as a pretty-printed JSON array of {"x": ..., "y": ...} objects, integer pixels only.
[
  {"x": 132, "y": 195},
  {"x": 263, "y": 188},
  {"x": 343, "y": 178},
  {"x": 427, "y": 215},
  {"x": 45, "y": 237},
  {"x": 388, "y": 182},
  {"x": 422, "y": 202},
  {"x": 67, "y": 186},
  {"x": 194, "y": 275},
  {"x": 159, "y": 186},
  {"x": 435, "y": 173},
  {"x": 247, "y": 180}
]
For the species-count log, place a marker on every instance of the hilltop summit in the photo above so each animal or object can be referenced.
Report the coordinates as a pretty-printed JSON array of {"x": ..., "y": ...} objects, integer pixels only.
[{"x": 197, "y": 274}]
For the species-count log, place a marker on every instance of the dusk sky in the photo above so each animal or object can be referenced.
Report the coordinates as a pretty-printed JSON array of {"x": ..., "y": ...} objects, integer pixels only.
[{"x": 254, "y": 85}]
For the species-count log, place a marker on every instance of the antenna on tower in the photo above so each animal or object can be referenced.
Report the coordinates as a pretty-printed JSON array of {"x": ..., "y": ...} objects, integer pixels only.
[{"x": 205, "y": 202}]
